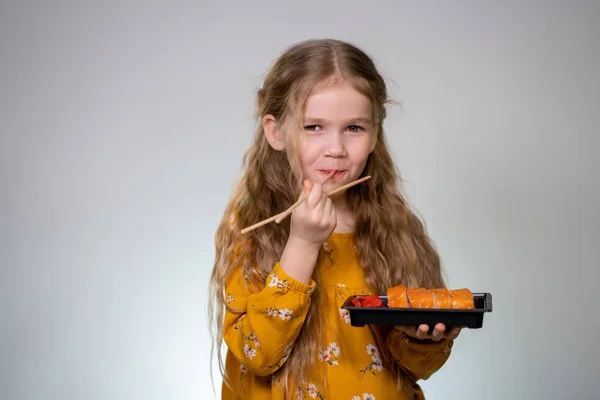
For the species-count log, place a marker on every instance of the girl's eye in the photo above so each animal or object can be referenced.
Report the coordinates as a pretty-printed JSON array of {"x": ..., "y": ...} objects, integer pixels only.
[
  {"x": 312, "y": 127},
  {"x": 355, "y": 128}
]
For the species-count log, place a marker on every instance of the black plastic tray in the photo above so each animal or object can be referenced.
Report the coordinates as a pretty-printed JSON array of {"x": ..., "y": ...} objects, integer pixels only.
[{"x": 361, "y": 316}]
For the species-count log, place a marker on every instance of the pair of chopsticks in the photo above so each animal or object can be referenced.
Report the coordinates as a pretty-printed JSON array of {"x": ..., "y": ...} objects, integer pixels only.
[
  {"x": 281, "y": 216},
  {"x": 293, "y": 207}
]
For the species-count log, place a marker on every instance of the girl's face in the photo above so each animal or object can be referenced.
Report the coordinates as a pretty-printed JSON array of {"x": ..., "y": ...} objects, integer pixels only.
[{"x": 337, "y": 136}]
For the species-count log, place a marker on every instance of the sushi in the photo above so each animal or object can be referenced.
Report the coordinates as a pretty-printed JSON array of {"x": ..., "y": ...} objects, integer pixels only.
[
  {"x": 397, "y": 297},
  {"x": 400, "y": 296}
]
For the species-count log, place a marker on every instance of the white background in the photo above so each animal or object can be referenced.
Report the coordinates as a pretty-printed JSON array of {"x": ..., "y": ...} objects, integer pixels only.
[{"x": 123, "y": 125}]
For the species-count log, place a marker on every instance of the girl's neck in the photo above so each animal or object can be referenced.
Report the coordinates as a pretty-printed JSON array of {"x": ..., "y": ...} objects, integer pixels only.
[{"x": 345, "y": 217}]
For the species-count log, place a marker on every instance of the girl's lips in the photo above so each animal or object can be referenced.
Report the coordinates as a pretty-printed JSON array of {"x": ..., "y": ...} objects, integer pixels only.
[{"x": 337, "y": 172}]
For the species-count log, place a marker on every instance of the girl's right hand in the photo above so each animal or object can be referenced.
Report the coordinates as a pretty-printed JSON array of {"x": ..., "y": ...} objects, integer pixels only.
[{"x": 315, "y": 219}]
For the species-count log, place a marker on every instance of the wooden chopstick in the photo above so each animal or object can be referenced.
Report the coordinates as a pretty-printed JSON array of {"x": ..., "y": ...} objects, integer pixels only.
[
  {"x": 293, "y": 207},
  {"x": 347, "y": 185},
  {"x": 290, "y": 210},
  {"x": 279, "y": 217},
  {"x": 261, "y": 223}
]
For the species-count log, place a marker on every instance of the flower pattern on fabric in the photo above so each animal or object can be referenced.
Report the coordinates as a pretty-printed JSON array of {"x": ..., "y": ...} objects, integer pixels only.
[
  {"x": 275, "y": 281},
  {"x": 230, "y": 299},
  {"x": 284, "y": 313},
  {"x": 366, "y": 396},
  {"x": 328, "y": 250},
  {"x": 376, "y": 362},
  {"x": 251, "y": 337},
  {"x": 403, "y": 336},
  {"x": 286, "y": 354},
  {"x": 341, "y": 292},
  {"x": 345, "y": 315},
  {"x": 243, "y": 371},
  {"x": 248, "y": 352},
  {"x": 330, "y": 354},
  {"x": 448, "y": 348},
  {"x": 312, "y": 391}
]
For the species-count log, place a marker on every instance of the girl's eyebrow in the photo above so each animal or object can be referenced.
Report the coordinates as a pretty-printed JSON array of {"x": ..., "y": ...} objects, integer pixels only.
[
  {"x": 363, "y": 120},
  {"x": 321, "y": 121},
  {"x": 316, "y": 121}
]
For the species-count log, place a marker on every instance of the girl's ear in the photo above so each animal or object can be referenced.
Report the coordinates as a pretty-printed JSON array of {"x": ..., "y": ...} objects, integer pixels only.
[{"x": 273, "y": 132}]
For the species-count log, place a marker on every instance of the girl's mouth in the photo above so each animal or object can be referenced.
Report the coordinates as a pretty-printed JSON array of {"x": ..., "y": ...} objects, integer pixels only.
[{"x": 336, "y": 172}]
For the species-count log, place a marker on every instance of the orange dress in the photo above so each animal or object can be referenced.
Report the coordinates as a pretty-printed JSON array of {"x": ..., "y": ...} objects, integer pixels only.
[{"x": 262, "y": 330}]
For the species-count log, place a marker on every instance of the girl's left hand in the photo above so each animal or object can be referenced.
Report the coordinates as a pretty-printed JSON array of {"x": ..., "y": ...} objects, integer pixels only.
[{"x": 438, "y": 333}]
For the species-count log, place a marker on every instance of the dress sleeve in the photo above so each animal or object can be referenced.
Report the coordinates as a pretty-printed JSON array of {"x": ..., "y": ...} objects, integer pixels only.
[
  {"x": 260, "y": 328},
  {"x": 418, "y": 358}
]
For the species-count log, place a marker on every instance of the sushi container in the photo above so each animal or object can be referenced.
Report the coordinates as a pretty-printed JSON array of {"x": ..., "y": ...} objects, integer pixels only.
[{"x": 384, "y": 315}]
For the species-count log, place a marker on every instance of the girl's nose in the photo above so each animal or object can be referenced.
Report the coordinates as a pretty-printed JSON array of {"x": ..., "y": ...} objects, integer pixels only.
[{"x": 335, "y": 146}]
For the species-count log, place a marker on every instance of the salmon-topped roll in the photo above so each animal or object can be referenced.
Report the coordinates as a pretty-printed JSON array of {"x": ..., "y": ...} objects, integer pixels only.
[
  {"x": 397, "y": 297},
  {"x": 420, "y": 298},
  {"x": 442, "y": 298},
  {"x": 462, "y": 299}
]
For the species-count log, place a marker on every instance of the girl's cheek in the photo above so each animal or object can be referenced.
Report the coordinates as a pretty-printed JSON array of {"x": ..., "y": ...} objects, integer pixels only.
[{"x": 358, "y": 147}]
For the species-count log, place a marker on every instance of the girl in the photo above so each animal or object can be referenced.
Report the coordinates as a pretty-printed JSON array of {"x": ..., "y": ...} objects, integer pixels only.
[{"x": 277, "y": 290}]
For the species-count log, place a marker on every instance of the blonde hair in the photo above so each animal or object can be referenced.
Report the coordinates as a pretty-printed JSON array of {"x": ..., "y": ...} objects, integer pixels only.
[{"x": 391, "y": 241}]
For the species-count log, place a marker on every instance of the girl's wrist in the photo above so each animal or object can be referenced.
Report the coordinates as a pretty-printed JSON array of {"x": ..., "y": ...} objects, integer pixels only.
[
  {"x": 299, "y": 259},
  {"x": 303, "y": 244}
]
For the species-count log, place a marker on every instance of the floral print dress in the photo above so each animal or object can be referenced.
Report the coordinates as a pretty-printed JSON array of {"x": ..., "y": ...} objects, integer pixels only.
[{"x": 260, "y": 329}]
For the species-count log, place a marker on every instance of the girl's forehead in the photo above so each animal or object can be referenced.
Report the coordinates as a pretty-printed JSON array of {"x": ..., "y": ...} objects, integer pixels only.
[
  {"x": 341, "y": 98},
  {"x": 328, "y": 83}
]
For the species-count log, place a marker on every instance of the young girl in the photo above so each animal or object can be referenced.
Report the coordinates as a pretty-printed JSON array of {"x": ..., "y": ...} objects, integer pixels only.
[{"x": 278, "y": 289}]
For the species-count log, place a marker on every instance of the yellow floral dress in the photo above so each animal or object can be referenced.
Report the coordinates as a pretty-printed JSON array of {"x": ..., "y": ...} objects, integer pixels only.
[{"x": 260, "y": 330}]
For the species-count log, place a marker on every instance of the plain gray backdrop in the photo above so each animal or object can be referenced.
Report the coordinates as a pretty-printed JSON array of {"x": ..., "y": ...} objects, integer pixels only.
[{"x": 123, "y": 125}]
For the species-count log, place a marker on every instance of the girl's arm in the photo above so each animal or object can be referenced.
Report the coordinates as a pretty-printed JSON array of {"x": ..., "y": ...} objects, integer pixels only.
[
  {"x": 419, "y": 359},
  {"x": 260, "y": 328}
]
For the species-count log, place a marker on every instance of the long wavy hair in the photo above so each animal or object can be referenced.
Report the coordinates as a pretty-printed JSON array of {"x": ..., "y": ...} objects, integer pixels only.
[{"x": 391, "y": 241}]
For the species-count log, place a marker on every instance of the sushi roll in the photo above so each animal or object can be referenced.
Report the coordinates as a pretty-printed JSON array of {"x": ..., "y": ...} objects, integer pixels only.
[
  {"x": 420, "y": 298},
  {"x": 462, "y": 299},
  {"x": 397, "y": 297}
]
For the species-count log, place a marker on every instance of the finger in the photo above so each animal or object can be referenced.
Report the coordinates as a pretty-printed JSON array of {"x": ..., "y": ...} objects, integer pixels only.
[
  {"x": 422, "y": 332},
  {"x": 322, "y": 201},
  {"x": 453, "y": 333},
  {"x": 315, "y": 195},
  {"x": 307, "y": 186},
  {"x": 438, "y": 332},
  {"x": 333, "y": 214},
  {"x": 327, "y": 208}
]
